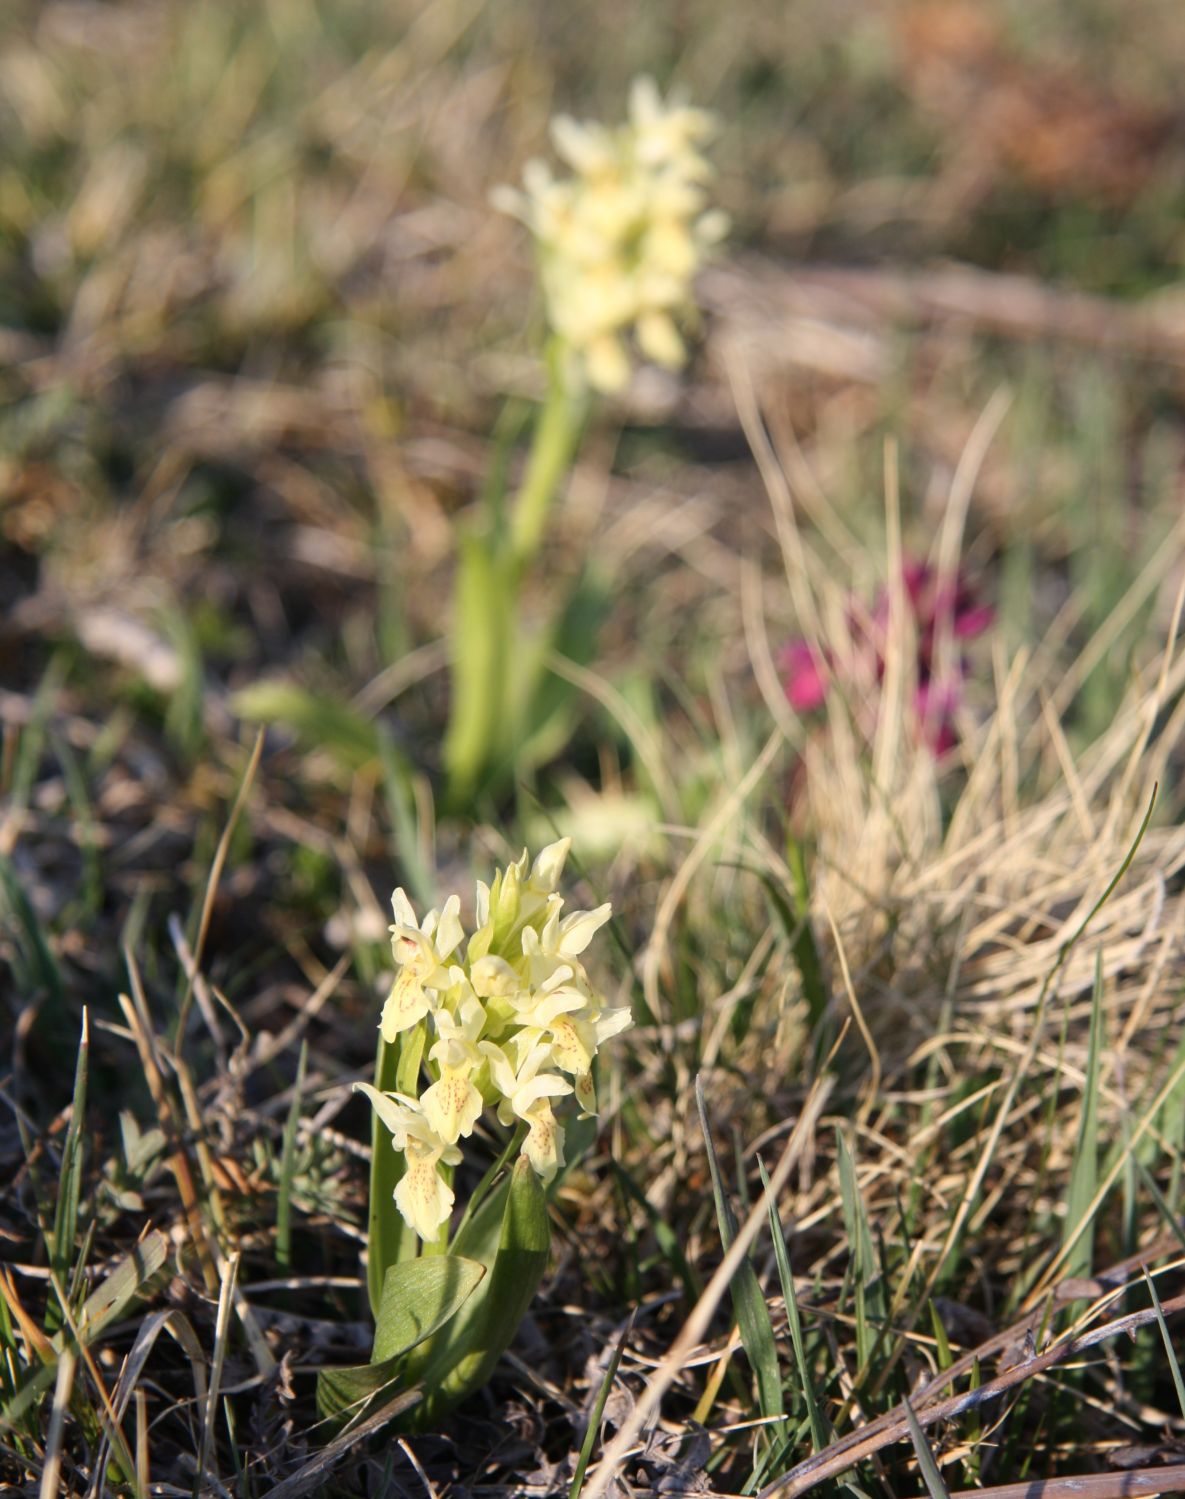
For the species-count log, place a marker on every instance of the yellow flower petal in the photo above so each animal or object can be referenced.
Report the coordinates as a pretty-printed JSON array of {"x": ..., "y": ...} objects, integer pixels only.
[
  {"x": 544, "y": 1145},
  {"x": 406, "y": 1005},
  {"x": 658, "y": 338},
  {"x": 607, "y": 365},
  {"x": 453, "y": 1105}
]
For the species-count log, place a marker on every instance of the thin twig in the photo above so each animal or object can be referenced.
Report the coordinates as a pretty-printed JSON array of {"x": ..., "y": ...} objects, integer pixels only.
[{"x": 1135, "y": 1482}]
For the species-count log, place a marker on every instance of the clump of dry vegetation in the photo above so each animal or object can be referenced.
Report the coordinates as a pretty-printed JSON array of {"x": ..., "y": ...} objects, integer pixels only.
[{"x": 257, "y": 321}]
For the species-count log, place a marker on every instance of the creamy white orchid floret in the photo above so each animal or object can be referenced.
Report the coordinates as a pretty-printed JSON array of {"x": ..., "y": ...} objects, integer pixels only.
[
  {"x": 527, "y": 1090},
  {"x": 423, "y": 1195},
  {"x": 453, "y": 1104},
  {"x": 507, "y": 1019},
  {"x": 620, "y": 239},
  {"x": 422, "y": 952}
]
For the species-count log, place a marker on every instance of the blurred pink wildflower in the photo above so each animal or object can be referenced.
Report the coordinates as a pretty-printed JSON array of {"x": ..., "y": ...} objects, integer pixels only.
[
  {"x": 937, "y": 607},
  {"x": 805, "y": 676}
]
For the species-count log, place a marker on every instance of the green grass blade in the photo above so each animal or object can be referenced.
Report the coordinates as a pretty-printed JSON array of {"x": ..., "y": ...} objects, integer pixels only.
[
  {"x": 752, "y": 1313},
  {"x": 664, "y": 1236},
  {"x": 803, "y": 945},
  {"x": 38, "y": 969},
  {"x": 288, "y": 1166},
  {"x": 926, "y": 1462},
  {"x": 867, "y": 1282},
  {"x": 819, "y": 1427},
  {"x": 84, "y": 813},
  {"x": 65, "y": 1218},
  {"x": 1084, "y": 1170},
  {"x": 400, "y": 792},
  {"x": 390, "y": 1240},
  {"x": 103, "y": 1306},
  {"x": 941, "y": 1340},
  {"x": 1178, "y": 1383},
  {"x": 598, "y": 1410},
  {"x": 1172, "y": 1221},
  {"x": 317, "y": 720},
  {"x": 117, "y": 1292}
]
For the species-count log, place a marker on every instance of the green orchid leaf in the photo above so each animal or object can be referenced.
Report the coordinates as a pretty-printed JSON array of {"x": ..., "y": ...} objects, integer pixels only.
[
  {"x": 344, "y": 1392},
  {"x": 419, "y": 1297},
  {"x": 453, "y": 1366},
  {"x": 479, "y": 1235},
  {"x": 386, "y": 1168}
]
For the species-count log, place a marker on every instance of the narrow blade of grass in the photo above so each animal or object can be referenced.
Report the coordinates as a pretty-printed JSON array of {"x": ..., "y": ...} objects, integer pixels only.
[
  {"x": 665, "y": 1237},
  {"x": 803, "y": 945},
  {"x": 598, "y": 1410},
  {"x": 941, "y": 1340},
  {"x": 1178, "y": 1383},
  {"x": 38, "y": 968},
  {"x": 926, "y": 1461},
  {"x": 65, "y": 1219},
  {"x": 752, "y": 1313},
  {"x": 867, "y": 1284},
  {"x": 102, "y": 1307},
  {"x": 287, "y": 1167},
  {"x": 820, "y": 1430},
  {"x": 1084, "y": 1170}
]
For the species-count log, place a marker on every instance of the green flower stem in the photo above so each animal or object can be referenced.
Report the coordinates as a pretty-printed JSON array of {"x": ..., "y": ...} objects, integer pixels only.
[
  {"x": 481, "y": 1191},
  {"x": 396, "y": 1070},
  {"x": 553, "y": 446},
  {"x": 488, "y": 693},
  {"x": 462, "y": 1356},
  {"x": 388, "y": 1232}
]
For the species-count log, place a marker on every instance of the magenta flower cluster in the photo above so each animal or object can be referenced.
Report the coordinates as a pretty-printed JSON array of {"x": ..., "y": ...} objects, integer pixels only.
[{"x": 938, "y": 606}]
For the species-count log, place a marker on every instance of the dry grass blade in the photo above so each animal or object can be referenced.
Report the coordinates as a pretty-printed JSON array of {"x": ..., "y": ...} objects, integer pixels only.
[
  {"x": 652, "y": 957},
  {"x": 1021, "y": 1071},
  {"x": 216, "y": 868},
  {"x": 693, "y": 1330},
  {"x": 862, "y": 1444},
  {"x": 230, "y": 1275},
  {"x": 136, "y": 1013},
  {"x": 63, "y": 1386},
  {"x": 794, "y": 302},
  {"x": 312, "y": 1474},
  {"x": 109, "y": 1420},
  {"x": 1135, "y": 1483}
]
